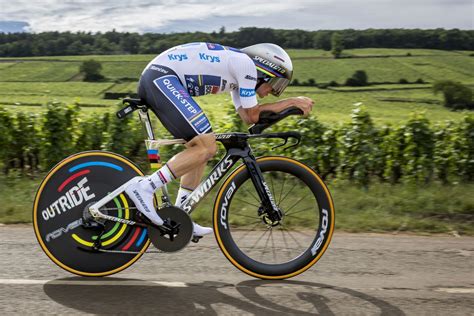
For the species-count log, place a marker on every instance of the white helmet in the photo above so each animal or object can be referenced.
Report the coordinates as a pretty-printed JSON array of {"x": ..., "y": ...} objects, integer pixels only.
[{"x": 273, "y": 65}]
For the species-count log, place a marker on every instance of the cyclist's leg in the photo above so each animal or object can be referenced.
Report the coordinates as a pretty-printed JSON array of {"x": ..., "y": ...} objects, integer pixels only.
[
  {"x": 183, "y": 118},
  {"x": 191, "y": 162},
  {"x": 189, "y": 182},
  {"x": 202, "y": 147},
  {"x": 192, "y": 179}
]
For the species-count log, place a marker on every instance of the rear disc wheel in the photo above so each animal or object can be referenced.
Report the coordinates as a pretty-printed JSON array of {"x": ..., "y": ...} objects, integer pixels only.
[{"x": 67, "y": 236}]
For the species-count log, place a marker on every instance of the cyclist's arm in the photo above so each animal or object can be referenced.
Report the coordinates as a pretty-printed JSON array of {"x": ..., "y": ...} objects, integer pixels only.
[{"x": 251, "y": 115}]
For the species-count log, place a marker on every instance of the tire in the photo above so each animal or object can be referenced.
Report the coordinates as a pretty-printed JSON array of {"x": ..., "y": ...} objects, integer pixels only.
[
  {"x": 288, "y": 248},
  {"x": 74, "y": 183}
]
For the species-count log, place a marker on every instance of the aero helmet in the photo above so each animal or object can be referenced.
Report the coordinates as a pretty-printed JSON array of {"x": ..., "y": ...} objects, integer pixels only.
[{"x": 273, "y": 65}]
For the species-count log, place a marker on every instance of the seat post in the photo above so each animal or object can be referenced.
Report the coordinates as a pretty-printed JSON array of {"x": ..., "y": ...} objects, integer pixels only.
[
  {"x": 145, "y": 119},
  {"x": 153, "y": 151}
]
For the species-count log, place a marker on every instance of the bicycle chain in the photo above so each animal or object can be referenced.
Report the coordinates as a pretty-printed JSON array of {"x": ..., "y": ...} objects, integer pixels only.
[
  {"x": 120, "y": 220},
  {"x": 129, "y": 252}
]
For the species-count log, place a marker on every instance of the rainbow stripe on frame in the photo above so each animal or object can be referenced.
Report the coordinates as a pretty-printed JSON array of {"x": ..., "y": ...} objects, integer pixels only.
[{"x": 154, "y": 159}]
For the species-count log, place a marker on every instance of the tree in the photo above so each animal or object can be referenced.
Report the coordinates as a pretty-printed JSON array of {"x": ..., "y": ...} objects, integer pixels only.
[
  {"x": 456, "y": 95},
  {"x": 76, "y": 48},
  {"x": 337, "y": 45},
  {"x": 130, "y": 43},
  {"x": 358, "y": 79},
  {"x": 66, "y": 43},
  {"x": 311, "y": 82},
  {"x": 91, "y": 69},
  {"x": 322, "y": 40}
]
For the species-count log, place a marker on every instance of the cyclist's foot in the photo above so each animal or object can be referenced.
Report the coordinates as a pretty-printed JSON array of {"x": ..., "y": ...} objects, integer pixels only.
[
  {"x": 141, "y": 192},
  {"x": 199, "y": 231}
]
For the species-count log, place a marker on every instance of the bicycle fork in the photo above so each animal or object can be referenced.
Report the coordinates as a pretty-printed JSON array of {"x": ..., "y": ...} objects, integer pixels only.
[{"x": 272, "y": 214}]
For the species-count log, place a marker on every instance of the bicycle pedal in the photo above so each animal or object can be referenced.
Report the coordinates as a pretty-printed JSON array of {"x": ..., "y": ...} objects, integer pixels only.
[
  {"x": 196, "y": 239},
  {"x": 142, "y": 218}
]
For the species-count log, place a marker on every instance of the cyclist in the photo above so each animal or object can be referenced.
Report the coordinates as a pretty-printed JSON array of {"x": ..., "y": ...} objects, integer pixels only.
[{"x": 169, "y": 83}]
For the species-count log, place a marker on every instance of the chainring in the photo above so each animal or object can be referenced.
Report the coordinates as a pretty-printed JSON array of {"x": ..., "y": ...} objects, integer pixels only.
[{"x": 175, "y": 234}]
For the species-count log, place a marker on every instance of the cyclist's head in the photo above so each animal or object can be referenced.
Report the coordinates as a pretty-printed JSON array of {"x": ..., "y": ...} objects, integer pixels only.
[{"x": 273, "y": 66}]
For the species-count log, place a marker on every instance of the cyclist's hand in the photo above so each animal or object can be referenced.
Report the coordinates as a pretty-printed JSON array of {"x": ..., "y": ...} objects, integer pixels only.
[{"x": 303, "y": 103}]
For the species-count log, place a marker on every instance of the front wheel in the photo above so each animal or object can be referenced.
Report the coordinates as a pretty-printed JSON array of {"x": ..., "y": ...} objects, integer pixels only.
[{"x": 274, "y": 250}]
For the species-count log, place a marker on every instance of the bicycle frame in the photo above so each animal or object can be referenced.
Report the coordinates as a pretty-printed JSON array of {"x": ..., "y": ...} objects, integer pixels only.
[
  {"x": 232, "y": 156},
  {"x": 237, "y": 149}
]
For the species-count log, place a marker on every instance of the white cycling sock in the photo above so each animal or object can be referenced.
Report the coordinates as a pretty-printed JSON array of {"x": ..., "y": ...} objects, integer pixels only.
[
  {"x": 161, "y": 177},
  {"x": 142, "y": 192},
  {"x": 183, "y": 194}
]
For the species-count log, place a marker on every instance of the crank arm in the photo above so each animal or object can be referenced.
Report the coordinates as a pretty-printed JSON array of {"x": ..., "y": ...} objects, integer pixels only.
[
  {"x": 94, "y": 208},
  {"x": 118, "y": 219}
]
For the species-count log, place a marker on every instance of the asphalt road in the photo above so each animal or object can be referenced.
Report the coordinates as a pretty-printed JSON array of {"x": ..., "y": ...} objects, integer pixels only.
[{"x": 360, "y": 274}]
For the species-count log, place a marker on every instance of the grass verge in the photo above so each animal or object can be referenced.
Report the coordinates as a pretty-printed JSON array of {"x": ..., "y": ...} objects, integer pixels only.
[{"x": 433, "y": 208}]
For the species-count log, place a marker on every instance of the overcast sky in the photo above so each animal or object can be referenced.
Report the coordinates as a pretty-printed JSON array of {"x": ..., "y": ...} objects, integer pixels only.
[{"x": 209, "y": 15}]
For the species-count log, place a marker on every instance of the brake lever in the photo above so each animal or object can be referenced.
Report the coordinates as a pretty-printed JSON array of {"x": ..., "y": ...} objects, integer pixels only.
[
  {"x": 296, "y": 136},
  {"x": 298, "y": 141},
  {"x": 281, "y": 145}
]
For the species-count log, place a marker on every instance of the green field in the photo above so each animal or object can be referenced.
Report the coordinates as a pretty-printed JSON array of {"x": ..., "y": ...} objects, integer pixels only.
[
  {"x": 372, "y": 52},
  {"x": 73, "y": 88},
  {"x": 392, "y": 69},
  {"x": 382, "y": 65},
  {"x": 40, "y": 71},
  {"x": 331, "y": 107},
  {"x": 27, "y": 83}
]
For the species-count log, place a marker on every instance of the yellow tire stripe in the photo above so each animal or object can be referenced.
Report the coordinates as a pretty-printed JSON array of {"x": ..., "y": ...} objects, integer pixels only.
[
  {"x": 221, "y": 244},
  {"x": 35, "y": 212}
]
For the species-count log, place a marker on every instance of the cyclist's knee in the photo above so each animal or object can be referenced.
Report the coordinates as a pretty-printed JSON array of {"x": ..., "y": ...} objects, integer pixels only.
[
  {"x": 210, "y": 145},
  {"x": 207, "y": 145}
]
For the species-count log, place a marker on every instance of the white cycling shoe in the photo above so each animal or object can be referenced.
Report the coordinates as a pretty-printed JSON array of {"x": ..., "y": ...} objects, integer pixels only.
[
  {"x": 199, "y": 231},
  {"x": 141, "y": 192}
]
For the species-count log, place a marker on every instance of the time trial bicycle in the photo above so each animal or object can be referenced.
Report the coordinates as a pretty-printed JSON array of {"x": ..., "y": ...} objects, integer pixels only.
[{"x": 273, "y": 216}]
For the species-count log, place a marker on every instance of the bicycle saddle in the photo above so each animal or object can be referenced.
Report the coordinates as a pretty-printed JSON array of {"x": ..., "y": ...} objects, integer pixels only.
[{"x": 133, "y": 104}]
